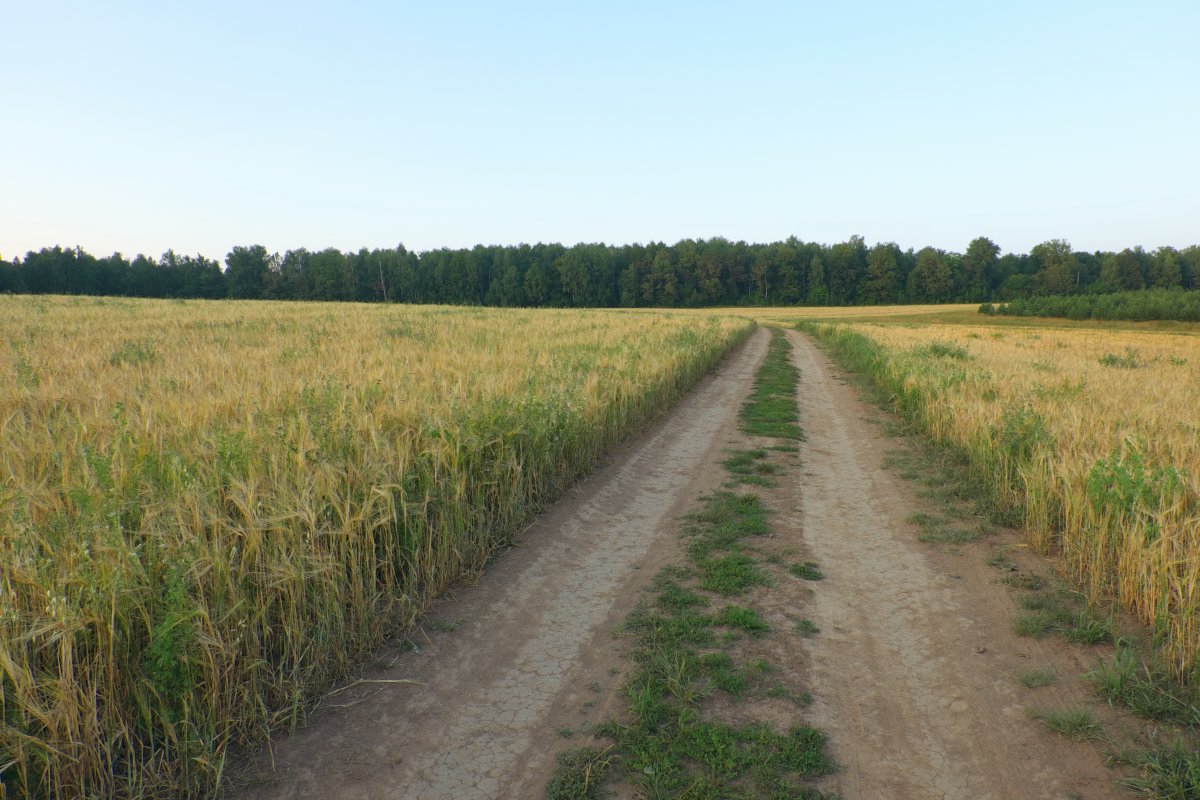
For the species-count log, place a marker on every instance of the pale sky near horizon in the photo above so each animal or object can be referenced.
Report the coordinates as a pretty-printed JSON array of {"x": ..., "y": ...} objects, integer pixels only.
[{"x": 138, "y": 126}]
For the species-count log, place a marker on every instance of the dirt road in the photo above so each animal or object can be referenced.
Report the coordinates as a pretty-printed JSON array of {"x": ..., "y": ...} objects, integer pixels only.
[
  {"x": 913, "y": 673},
  {"x": 503, "y": 682}
]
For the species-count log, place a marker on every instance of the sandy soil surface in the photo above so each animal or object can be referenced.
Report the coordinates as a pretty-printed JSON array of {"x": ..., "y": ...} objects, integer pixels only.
[
  {"x": 915, "y": 670},
  {"x": 507, "y": 667}
]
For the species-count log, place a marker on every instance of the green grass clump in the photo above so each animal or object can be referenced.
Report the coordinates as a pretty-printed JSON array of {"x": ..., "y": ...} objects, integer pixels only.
[
  {"x": 667, "y": 749},
  {"x": 751, "y": 467},
  {"x": 726, "y": 675},
  {"x": 746, "y": 619},
  {"x": 1127, "y": 360},
  {"x": 798, "y": 699},
  {"x": 806, "y": 628},
  {"x": 723, "y": 521},
  {"x": 771, "y": 409},
  {"x": 1039, "y": 623},
  {"x": 712, "y": 759},
  {"x": 1074, "y": 723},
  {"x": 1035, "y": 678},
  {"x": 1051, "y": 614},
  {"x": 674, "y": 597},
  {"x": 1146, "y": 689},
  {"x": 580, "y": 774},
  {"x": 946, "y": 350},
  {"x": 1168, "y": 773},
  {"x": 654, "y": 627},
  {"x": 732, "y": 574},
  {"x": 949, "y": 536},
  {"x": 935, "y": 530},
  {"x": 1086, "y": 628},
  {"x": 807, "y": 570}
]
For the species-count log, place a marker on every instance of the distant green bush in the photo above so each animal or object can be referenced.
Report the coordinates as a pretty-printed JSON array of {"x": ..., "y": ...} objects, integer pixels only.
[{"x": 1148, "y": 304}]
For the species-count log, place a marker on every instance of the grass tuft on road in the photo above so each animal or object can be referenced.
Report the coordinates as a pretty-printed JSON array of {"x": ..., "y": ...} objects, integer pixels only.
[
  {"x": 1074, "y": 723},
  {"x": 580, "y": 774},
  {"x": 751, "y": 467},
  {"x": 1036, "y": 678},
  {"x": 771, "y": 410},
  {"x": 807, "y": 570}
]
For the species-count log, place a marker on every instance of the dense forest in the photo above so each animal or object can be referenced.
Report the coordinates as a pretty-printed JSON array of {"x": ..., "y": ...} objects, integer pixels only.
[
  {"x": 1147, "y": 304},
  {"x": 712, "y": 272}
]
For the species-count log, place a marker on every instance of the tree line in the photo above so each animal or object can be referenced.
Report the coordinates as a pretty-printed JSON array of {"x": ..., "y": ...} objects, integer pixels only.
[{"x": 690, "y": 273}]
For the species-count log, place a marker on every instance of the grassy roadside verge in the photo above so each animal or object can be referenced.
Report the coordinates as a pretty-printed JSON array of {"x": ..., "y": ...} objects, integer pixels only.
[
  {"x": 966, "y": 484},
  {"x": 695, "y": 663}
]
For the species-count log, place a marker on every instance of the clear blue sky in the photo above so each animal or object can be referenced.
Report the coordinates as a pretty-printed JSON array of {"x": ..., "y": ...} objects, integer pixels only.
[{"x": 138, "y": 126}]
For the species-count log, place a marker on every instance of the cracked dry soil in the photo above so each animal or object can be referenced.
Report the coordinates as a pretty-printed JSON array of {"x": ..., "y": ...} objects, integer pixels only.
[{"x": 505, "y": 674}]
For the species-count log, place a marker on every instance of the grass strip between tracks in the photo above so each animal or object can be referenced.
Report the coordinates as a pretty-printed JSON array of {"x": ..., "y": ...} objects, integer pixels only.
[
  {"x": 686, "y": 650},
  {"x": 771, "y": 409}
]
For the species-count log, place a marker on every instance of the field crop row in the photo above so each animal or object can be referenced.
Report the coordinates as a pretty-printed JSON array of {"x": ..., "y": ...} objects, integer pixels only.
[
  {"x": 209, "y": 511},
  {"x": 1092, "y": 434}
]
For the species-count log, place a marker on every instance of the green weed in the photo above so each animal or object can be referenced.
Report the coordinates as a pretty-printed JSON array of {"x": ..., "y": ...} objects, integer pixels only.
[
  {"x": 133, "y": 353},
  {"x": 945, "y": 350},
  {"x": 1168, "y": 773},
  {"x": 751, "y": 467},
  {"x": 1146, "y": 689},
  {"x": 798, "y": 699},
  {"x": 807, "y": 570},
  {"x": 723, "y": 521},
  {"x": 1086, "y": 628},
  {"x": 1075, "y": 723},
  {"x": 771, "y": 409},
  {"x": 675, "y": 597},
  {"x": 1034, "y": 678},
  {"x": 746, "y": 619},
  {"x": 1127, "y": 360},
  {"x": 1038, "y": 623},
  {"x": 580, "y": 774},
  {"x": 806, "y": 628},
  {"x": 732, "y": 574}
]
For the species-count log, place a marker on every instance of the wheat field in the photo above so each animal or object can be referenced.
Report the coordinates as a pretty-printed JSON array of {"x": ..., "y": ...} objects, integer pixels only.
[{"x": 209, "y": 511}]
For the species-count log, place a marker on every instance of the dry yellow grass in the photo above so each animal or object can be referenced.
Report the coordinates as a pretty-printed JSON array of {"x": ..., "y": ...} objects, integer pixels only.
[
  {"x": 1095, "y": 432},
  {"x": 209, "y": 510}
]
